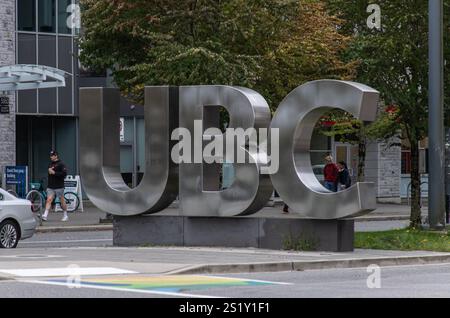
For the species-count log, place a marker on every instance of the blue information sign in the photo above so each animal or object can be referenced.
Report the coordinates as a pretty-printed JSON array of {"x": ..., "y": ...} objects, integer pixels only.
[{"x": 17, "y": 177}]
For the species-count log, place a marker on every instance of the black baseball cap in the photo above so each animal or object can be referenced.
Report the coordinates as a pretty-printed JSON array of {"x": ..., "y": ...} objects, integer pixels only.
[{"x": 53, "y": 153}]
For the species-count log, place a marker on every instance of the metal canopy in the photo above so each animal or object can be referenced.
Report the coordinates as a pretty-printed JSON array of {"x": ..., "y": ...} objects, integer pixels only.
[{"x": 22, "y": 77}]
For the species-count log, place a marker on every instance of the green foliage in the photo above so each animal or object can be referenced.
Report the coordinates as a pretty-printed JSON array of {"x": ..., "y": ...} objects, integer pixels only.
[
  {"x": 394, "y": 61},
  {"x": 386, "y": 125},
  {"x": 271, "y": 46},
  {"x": 353, "y": 131},
  {"x": 404, "y": 240},
  {"x": 344, "y": 127}
]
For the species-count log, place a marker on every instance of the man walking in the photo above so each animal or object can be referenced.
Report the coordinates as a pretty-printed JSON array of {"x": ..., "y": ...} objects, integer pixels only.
[
  {"x": 330, "y": 173},
  {"x": 57, "y": 172}
]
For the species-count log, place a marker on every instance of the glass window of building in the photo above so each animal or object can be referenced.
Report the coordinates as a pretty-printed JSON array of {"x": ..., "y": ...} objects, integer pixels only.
[
  {"x": 320, "y": 147},
  {"x": 63, "y": 16},
  {"x": 26, "y": 15},
  {"x": 47, "y": 16}
]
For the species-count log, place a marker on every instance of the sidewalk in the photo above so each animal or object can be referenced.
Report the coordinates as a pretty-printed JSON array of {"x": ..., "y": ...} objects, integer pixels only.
[{"x": 89, "y": 220}]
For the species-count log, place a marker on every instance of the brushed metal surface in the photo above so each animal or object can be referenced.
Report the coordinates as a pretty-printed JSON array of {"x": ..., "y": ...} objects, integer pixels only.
[
  {"x": 296, "y": 118},
  {"x": 295, "y": 181},
  {"x": 100, "y": 152},
  {"x": 251, "y": 190}
]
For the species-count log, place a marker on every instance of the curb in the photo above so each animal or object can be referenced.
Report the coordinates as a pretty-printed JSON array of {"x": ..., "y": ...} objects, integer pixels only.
[
  {"x": 383, "y": 218},
  {"x": 312, "y": 265},
  {"x": 81, "y": 228},
  {"x": 109, "y": 227}
]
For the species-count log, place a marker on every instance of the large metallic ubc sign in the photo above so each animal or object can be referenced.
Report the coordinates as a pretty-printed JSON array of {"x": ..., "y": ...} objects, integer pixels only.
[{"x": 169, "y": 108}]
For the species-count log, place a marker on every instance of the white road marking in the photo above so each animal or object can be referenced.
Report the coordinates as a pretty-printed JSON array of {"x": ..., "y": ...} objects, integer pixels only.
[
  {"x": 247, "y": 279},
  {"x": 66, "y": 241},
  {"x": 154, "y": 292},
  {"x": 56, "y": 272},
  {"x": 383, "y": 266},
  {"x": 417, "y": 265},
  {"x": 27, "y": 256}
]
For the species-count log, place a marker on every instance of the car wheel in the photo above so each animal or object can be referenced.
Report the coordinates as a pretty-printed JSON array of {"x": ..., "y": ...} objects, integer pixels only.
[{"x": 9, "y": 234}]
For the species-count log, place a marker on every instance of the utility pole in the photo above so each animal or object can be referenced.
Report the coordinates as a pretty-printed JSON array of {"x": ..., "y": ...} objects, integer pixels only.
[{"x": 436, "y": 214}]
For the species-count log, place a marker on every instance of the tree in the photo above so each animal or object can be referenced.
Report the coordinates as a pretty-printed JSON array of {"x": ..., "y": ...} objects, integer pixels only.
[
  {"x": 344, "y": 127},
  {"x": 271, "y": 46},
  {"x": 394, "y": 61}
]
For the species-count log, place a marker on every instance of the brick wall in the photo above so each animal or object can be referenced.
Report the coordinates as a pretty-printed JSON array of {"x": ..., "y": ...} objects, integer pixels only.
[{"x": 7, "y": 57}]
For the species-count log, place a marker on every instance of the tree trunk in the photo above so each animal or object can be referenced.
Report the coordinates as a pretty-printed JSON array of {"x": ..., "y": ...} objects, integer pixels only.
[
  {"x": 362, "y": 146},
  {"x": 416, "y": 213}
]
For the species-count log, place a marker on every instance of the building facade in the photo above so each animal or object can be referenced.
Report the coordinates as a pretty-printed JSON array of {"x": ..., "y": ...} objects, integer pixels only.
[
  {"x": 46, "y": 118},
  {"x": 8, "y": 57}
]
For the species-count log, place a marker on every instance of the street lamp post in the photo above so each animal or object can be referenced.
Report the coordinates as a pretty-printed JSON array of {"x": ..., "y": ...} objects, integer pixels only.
[{"x": 436, "y": 208}]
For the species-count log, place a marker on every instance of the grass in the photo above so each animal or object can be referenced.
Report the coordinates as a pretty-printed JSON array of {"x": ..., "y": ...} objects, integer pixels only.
[
  {"x": 299, "y": 243},
  {"x": 404, "y": 240}
]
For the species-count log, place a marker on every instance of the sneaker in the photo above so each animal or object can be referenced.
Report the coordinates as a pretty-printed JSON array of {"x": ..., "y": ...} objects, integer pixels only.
[
  {"x": 44, "y": 218},
  {"x": 65, "y": 219}
]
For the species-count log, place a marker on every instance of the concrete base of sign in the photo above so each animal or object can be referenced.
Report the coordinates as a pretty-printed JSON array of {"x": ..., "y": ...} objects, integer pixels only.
[{"x": 264, "y": 233}]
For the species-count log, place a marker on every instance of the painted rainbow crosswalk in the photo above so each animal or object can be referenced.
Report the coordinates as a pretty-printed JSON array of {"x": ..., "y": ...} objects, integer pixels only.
[{"x": 168, "y": 283}]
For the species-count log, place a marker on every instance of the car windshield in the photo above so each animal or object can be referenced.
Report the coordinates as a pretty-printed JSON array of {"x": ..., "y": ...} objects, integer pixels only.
[
  {"x": 318, "y": 169},
  {"x": 4, "y": 195}
]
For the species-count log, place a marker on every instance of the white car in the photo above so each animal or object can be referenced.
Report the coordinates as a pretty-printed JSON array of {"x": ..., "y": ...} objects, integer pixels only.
[{"x": 17, "y": 221}]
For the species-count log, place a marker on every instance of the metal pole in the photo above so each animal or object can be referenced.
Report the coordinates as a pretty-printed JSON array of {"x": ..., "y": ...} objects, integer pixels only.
[
  {"x": 135, "y": 161},
  {"x": 436, "y": 116}
]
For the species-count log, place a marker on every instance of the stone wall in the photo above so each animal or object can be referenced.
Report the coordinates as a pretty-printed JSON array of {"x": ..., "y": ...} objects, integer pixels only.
[
  {"x": 389, "y": 171},
  {"x": 383, "y": 167},
  {"x": 7, "y": 57},
  {"x": 371, "y": 168}
]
